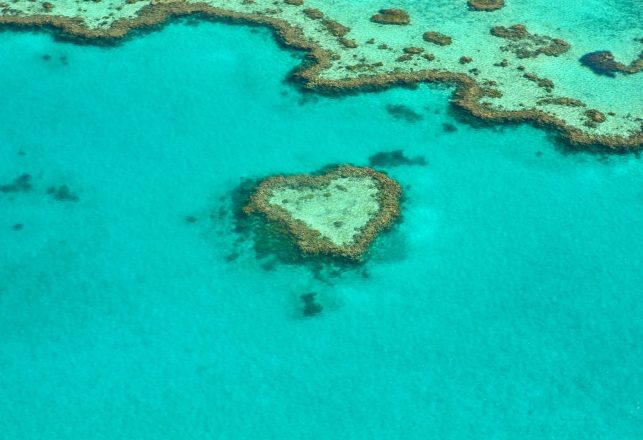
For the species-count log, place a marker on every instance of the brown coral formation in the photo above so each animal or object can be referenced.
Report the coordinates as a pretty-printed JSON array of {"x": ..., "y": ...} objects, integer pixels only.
[
  {"x": 485, "y": 5},
  {"x": 514, "y": 32},
  {"x": 437, "y": 38},
  {"x": 391, "y": 16},
  {"x": 595, "y": 116},
  {"x": 564, "y": 101},
  {"x": 348, "y": 43},
  {"x": 466, "y": 97},
  {"x": 311, "y": 241},
  {"x": 603, "y": 62},
  {"x": 335, "y": 28},
  {"x": 413, "y": 50},
  {"x": 313, "y": 13},
  {"x": 544, "y": 83},
  {"x": 526, "y": 45}
]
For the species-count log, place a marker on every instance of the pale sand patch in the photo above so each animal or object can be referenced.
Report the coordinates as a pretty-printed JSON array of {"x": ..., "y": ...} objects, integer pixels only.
[{"x": 338, "y": 211}]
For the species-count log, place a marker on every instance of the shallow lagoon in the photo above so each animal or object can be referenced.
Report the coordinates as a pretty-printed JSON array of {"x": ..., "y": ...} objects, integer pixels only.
[{"x": 507, "y": 303}]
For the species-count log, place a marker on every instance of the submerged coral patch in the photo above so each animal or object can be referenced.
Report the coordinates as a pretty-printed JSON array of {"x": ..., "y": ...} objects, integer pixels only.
[
  {"x": 403, "y": 112},
  {"x": 311, "y": 306},
  {"x": 602, "y": 62},
  {"x": 564, "y": 101},
  {"x": 337, "y": 213},
  {"x": 391, "y": 16},
  {"x": 526, "y": 45},
  {"x": 22, "y": 184},
  {"x": 485, "y": 5},
  {"x": 437, "y": 38},
  {"x": 62, "y": 193},
  {"x": 394, "y": 158}
]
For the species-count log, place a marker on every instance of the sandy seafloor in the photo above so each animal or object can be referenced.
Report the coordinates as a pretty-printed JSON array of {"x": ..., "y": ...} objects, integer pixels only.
[{"x": 507, "y": 304}]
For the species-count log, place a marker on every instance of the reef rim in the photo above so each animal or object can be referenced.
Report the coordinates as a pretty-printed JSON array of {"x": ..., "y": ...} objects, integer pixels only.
[{"x": 309, "y": 240}]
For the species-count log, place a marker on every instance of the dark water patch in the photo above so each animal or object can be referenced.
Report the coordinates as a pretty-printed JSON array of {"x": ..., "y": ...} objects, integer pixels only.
[
  {"x": 603, "y": 158},
  {"x": 448, "y": 127},
  {"x": 62, "y": 193},
  {"x": 403, "y": 112},
  {"x": 395, "y": 158},
  {"x": 307, "y": 98},
  {"x": 310, "y": 305},
  {"x": 231, "y": 257},
  {"x": 189, "y": 21},
  {"x": 190, "y": 219},
  {"x": 60, "y": 60},
  {"x": 18, "y": 227},
  {"x": 21, "y": 184}
]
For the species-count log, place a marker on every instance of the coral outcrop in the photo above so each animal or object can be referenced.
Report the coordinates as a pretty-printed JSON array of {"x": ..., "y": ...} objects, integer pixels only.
[
  {"x": 337, "y": 213},
  {"x": 602, "y": 62},
  {"x": 391, "y": 16},
  {"x": 526, "y": 45},
  {"x": 485, "y": 5}
]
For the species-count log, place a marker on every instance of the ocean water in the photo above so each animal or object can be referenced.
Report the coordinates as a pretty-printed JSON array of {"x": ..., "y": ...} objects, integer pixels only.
[{"x": 506, "y": 304}]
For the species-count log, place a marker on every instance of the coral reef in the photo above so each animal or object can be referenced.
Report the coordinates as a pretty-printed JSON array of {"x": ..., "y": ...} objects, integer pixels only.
[
  {"x": 313, "y": 13},
  {"x": 485, "y": 5},
  {"x": 391, "y": 16},
  {"x": 437, "y": 38},
  {"x": 514, "y": 32},
  {"x": 335, "y": 28},
  {"x": 270, "y": 243},
  {"x": 564, "y": 101},
  {"x": 329, "y": 67},
  {"x": 337, "y": 213},
  {"x": 544, "y": 83},
  {"x": 526, "y": 45},
  {"x": 594, "y": 117},
  {"x": 602, "y": 62}
]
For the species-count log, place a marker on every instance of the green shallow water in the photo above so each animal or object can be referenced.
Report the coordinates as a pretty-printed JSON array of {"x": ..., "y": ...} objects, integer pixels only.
[{"x": 506, "y": 304}]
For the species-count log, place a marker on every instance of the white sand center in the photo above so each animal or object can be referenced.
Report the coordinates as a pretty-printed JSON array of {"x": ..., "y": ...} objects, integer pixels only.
[{"x": 337, "y": 210}]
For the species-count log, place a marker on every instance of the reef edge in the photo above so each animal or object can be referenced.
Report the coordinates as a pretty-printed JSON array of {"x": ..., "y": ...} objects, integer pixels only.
[
  {"x": 309, "y": 240},
  {"x": 465, "y": 97}
]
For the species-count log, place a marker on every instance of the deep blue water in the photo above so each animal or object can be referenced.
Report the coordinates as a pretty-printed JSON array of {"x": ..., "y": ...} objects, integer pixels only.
[{"x": 507, "y": 304}]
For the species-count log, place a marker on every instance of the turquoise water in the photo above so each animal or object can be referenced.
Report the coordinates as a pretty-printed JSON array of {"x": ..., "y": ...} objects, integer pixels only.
[{"x": 507, "y": 304}]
